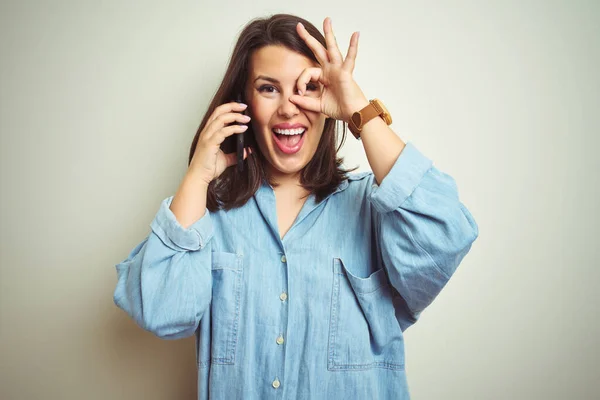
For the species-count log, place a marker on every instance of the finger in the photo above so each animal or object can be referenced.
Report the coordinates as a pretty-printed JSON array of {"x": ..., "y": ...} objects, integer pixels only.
[
  {"x": 335, "y": 55},
  {"x": 227, "y": 108},
  {"x": 227, "y": 131},
  {"x": 231, "y": 158},
  {"x": 352, "y": 51},
  {"x": 226, "y": 119},
  {"x": 317, "y": 48},
  {"x": 307, "y": 103},
  {"x": 308, "y": 75}
]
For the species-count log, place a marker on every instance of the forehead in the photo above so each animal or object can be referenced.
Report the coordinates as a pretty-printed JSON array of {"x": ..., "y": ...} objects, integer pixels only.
[{"x": 278, "y": 62}]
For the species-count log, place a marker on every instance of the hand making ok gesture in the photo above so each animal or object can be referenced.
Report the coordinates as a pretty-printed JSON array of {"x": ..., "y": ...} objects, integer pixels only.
[{"x": 341, "y": 95}]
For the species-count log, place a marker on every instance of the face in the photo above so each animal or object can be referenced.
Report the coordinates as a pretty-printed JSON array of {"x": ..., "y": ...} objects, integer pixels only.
[{"x": 287, "y": 135}]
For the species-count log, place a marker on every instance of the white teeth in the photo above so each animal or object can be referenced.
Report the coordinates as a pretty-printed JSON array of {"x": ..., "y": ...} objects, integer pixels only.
[{"x": 297, "y": 131}]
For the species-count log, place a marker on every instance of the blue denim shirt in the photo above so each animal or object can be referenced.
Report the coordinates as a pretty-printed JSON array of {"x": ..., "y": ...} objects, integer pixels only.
[{"x": 317, "y": 315}]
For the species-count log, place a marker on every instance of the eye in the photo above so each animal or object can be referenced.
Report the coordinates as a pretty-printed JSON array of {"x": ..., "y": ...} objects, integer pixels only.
[
  {"x": 312, "y": 86},
  {"x": 267, "y": 89}
]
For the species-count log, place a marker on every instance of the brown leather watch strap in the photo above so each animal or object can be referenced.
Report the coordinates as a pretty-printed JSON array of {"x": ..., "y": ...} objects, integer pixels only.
[
  {"x": 360, "y": 118},
  {"x": 368, "y": 113}
]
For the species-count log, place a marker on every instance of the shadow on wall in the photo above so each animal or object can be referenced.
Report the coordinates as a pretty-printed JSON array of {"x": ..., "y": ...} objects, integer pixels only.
[{"x": 145, "y": 366}]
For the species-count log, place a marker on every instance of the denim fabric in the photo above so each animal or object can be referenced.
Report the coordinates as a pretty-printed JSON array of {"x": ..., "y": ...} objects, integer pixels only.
[{"x": 317, "y": 315}]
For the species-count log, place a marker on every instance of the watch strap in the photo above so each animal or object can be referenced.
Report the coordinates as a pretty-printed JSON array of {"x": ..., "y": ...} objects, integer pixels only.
[{"x": 360, "y": 118}]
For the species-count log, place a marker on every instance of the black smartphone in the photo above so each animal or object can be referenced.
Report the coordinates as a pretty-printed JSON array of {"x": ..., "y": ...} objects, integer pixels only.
[
  {"x": 240, "y": 142},
  {"x": 235, "y": 143}
]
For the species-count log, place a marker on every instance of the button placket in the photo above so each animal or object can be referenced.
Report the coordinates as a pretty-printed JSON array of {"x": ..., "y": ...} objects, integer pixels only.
[{"x": 283, "y": 298}]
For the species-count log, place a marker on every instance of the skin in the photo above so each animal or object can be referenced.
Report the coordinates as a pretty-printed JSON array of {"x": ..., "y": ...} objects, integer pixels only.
[
  {"x": 338, "y": 97},
  {"x": 273, "y": 79},
  {"x": 307, "y": 93},
  {"x": 342, "y": 97},
  {"x": 269, "y": 104}
]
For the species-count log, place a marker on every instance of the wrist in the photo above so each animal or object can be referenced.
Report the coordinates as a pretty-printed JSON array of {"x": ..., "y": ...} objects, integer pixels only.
[
  {"x": 193, "y": 174},
  {"x": 357, "y": 104}
]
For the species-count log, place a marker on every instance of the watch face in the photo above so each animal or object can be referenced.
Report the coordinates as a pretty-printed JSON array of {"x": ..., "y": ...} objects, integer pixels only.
[
  {"x": 385, "y": 113},
  {"x": 387, "y": 118}
]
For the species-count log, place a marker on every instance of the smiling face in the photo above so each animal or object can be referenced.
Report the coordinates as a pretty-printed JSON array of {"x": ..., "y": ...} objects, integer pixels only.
[{"x": 287, "y": 135}]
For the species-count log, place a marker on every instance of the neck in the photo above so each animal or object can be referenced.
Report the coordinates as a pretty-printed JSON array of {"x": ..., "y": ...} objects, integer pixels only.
[
  {"x": 289, "y": 186},
  {"x": 284, "y": 180}
]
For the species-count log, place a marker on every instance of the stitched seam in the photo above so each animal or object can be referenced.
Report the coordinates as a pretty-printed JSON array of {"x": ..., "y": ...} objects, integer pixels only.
[
  {"x": 333, "y": 318},
  {"x": 417, "y": 184},
  {"x": 381, "y": 364},
  {"x": 369, "y": 292},
  {"x": 332, "y": 364},
  {"x": 237, "y": 313},
  {"x": 428, "y": 255},
  {"x": 229, "y": 351}
]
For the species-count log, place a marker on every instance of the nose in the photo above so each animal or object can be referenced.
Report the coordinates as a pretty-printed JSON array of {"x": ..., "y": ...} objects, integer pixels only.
[{"x": 288, "y": 109}]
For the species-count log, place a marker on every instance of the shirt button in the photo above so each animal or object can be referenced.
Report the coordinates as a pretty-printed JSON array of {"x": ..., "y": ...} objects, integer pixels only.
[
  {"x": 280, "y": 340},
  {"x": 276, "y": 383},
  {"x": 283, "y": 296},
  {"x": 283, "y": 259}
]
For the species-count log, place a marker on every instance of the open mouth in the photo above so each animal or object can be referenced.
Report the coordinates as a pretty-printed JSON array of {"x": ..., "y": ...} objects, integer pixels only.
[{"x": 289, "y": 141}]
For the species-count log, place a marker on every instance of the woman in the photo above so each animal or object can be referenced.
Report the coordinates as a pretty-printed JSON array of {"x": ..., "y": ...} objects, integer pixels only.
[{"x": 297, "y": 277}]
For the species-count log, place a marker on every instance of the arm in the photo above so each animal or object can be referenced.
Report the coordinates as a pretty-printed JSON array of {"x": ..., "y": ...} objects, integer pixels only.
[
  {"x": 423, "y": 230},
  {"x": 382, "y": 145},
  {"x": 165, "y": 284}
]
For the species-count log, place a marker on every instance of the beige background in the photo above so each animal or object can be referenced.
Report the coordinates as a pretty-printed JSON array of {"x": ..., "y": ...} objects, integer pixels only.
[{"x": 100, "y": 101}]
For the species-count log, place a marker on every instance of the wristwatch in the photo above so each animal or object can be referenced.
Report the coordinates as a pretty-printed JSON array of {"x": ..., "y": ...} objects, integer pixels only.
[{"x": 360, "y": 118}]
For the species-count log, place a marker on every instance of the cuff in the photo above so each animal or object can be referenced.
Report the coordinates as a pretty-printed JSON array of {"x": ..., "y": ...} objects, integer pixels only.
[
  {"x": 172, "y": 234},
  {"x": 401, "y": 181}
]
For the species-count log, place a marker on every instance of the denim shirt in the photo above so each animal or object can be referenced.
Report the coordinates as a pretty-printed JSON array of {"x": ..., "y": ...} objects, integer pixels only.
[{"x": 319, "y": 314}]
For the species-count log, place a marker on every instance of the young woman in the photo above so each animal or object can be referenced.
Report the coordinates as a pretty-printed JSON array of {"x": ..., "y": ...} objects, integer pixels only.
[{"x": 297, "y": 277}]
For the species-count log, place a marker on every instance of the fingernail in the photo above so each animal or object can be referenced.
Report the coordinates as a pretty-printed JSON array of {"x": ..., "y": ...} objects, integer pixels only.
[
  {"x": 247, "y": 117},
  {"x": 300, "y": 92},
  {"x": 301, "y": 24},
  {"x": 243, "y": 105}
]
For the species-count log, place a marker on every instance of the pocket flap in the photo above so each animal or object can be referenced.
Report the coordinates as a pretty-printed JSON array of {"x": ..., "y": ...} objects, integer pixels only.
[
  {"x": 362, "y": 285},
  {"x": 225, "y": 260}
]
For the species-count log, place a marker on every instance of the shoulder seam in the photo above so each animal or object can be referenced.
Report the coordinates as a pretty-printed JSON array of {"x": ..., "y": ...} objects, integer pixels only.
[{"x": 358, "y": 175}]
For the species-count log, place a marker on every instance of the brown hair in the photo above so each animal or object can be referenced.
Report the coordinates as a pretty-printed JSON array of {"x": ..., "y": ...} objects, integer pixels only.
[{"x": 323, "y": 173}]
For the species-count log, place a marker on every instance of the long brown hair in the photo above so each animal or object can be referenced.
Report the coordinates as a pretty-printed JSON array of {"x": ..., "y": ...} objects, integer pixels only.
[{"x": 323, "y": 173}]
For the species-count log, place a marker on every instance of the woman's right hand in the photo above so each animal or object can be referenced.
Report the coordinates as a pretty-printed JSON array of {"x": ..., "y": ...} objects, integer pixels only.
[{"x": 209, "y": 161}]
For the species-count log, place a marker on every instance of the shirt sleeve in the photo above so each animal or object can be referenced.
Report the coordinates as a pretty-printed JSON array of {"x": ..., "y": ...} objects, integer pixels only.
[
  {"x": 165, "y": 283},
  {"x": 423, "y": 230}
]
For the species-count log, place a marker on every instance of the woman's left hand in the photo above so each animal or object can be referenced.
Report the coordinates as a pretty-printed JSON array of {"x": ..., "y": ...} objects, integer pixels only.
[{"x": 340, "y": 96}]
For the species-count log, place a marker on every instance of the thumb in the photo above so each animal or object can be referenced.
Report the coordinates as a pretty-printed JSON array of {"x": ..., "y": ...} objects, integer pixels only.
[{"x": 307, "y": 103}]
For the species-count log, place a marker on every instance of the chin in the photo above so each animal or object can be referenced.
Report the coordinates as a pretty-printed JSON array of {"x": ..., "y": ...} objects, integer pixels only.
[{"x": 287, "y": 168}]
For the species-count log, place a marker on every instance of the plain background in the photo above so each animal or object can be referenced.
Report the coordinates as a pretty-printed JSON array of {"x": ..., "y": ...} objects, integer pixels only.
[{"x": 100, "y": 101}]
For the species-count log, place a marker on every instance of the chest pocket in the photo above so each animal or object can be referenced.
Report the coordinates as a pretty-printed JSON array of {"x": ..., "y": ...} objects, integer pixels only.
[
  {"x": 227, "y": 278},
  {"x": 364, "y": 332}
]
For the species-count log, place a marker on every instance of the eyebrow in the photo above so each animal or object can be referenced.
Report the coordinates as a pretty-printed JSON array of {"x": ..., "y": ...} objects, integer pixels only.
[{"x": 266, "y": 78}]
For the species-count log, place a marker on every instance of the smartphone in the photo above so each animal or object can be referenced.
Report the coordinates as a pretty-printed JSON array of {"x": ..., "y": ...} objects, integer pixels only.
[
  {"x": 240, "y": 142},
  {"x": 235, "y": 143}
]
